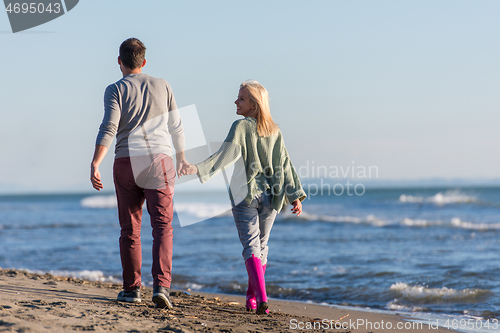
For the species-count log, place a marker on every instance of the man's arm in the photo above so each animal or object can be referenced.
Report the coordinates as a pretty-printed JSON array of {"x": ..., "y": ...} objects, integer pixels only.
[
  {"x": 107, "y": 131},
  {"x": 181, "y": 164},
  {"x": 176, "y": 132},
  {"x": 95, "y": 175}
]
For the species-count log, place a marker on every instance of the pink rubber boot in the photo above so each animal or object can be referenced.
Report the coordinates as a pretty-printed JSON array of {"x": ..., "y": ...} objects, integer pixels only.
[
  {"x": 251, "y": 302},
  {"x": 258, "y": 284}
]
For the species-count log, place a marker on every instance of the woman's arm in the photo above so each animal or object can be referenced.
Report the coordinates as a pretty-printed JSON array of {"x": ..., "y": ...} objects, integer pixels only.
[
  {"x": 228, "y": 154},
  {"x": 291, "y": 185}
]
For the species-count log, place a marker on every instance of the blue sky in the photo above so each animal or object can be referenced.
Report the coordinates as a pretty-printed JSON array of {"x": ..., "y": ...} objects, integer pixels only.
[{"x": 411, "y": 87}]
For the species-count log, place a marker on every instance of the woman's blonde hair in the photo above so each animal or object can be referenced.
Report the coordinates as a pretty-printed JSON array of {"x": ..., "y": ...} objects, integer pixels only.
[{"x": 259, "y": 96}]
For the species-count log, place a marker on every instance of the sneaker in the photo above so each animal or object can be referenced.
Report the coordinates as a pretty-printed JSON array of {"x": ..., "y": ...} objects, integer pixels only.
[
  {"x": 133, "y": 296},
  {"x": 161, "y": 298}
]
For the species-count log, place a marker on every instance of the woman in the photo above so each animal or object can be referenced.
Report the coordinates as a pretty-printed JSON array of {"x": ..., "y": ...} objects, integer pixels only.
[{"x": 269, "y": 180}]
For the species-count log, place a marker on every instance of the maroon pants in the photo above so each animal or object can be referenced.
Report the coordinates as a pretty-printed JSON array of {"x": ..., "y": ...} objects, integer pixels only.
[{"x": 131, "y": 198}]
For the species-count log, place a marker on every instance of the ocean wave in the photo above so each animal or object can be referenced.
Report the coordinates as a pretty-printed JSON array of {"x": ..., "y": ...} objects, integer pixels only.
[
  {"x": 424, "y": 294},
  {"x": 315, "y": 271},
  {"x": 440, "y": 199},
  {"x": 456, "y": 222},
  {"x": 420, "y": 222},
  {"x": 57, "y": 225},
  {"x": 405, "y": 222},
  {"x": 83, "y": 275},
  {"x": 193, "y": 286},
  {"x": 194, "y": 209},
  {"x": 370, "y": 219},
  {"x": 203, "y": 209},
  {"x": 87, "y": 275},
  {"x": 99, "y": 201},
  {"x": 453, "y": 223},
  {"x": 397, "y": 306}
]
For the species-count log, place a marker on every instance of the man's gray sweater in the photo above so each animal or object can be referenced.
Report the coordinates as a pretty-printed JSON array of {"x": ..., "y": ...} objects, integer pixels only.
[{"x": 142, "y": 112}]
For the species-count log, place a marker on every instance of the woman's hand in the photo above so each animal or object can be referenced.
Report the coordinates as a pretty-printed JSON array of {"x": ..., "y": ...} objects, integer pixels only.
[{"x": 297, "y": 207}]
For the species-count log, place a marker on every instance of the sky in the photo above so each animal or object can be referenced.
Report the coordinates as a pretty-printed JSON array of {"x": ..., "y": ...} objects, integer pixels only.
[{"x": 409, "y": 87}]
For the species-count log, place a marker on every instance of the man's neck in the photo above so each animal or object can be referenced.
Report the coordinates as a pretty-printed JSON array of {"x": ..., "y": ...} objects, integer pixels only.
[{"x": 127, "y": 71}]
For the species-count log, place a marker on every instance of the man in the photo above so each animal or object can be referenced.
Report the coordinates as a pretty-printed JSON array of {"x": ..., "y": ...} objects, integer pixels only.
[{"x": 142, "y": 112}]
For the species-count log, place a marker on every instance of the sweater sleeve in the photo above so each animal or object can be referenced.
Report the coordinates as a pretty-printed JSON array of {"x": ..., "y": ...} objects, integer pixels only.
[
  {"x": 174, "y": 122},
  {"x": 228, "y": 154},
  {"x": 291, "y": 185},
  {"x": 112, "y": 114}
]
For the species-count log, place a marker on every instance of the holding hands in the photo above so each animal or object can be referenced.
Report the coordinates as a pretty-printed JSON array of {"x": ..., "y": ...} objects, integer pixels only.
[
  {"x": 184, "y": 167},
  {"x": 188, "y": 169},
  {"x": 182, "y": 164}
]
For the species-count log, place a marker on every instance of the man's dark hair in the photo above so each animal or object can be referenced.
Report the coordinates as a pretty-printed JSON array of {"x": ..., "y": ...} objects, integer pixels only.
[{"x": 132, "y": 53}]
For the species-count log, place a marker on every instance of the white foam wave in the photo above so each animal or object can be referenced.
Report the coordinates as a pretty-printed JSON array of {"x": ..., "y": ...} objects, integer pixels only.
[
  {"x": 193, "y": 286},
  {"x": 203, "y": 209},
  {"x": 456, "y": 222},
  {"x": 396, "y": 306},
  {"x": 370, "y": 219},
  {"x": 319, "y": 272},
  {"x": 86, "y": 275},
  {"x": 453, "y": 223},
  {"x": 83, "y": 275},
  {"x": 424, "y": 293},
  {"x": 195, "y": 209},
  {"x": 420, "y": 223},
  {"x": 449, "y": 197},
  {"x": 99, "y": 201},
  {"x": 407, "y": 222}
]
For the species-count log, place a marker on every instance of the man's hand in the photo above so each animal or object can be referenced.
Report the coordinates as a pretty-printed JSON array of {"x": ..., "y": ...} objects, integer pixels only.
[
  {"x": 182, "y": 165},
  {"x": 297, "y": 207},
  {"x": 95, "y": 177}
]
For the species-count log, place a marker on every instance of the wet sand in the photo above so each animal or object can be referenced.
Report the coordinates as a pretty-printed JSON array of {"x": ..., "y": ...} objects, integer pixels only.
[{"x": 45, "y": 303}]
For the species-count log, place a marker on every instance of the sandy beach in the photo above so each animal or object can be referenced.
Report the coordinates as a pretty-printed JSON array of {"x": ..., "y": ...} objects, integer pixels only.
[{"x": 46, "y": 303}]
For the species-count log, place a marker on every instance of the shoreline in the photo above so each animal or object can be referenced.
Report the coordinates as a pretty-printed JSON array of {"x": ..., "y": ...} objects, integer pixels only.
[{"x": 31, "y": 302}]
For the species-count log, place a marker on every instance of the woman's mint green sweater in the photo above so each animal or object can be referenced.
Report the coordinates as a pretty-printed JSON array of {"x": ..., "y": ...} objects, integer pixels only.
[{"x": 264, "y": 164}]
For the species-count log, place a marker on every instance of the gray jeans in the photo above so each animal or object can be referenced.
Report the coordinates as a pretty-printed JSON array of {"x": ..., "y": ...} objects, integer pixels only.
[{"x": 254, "y": 222}]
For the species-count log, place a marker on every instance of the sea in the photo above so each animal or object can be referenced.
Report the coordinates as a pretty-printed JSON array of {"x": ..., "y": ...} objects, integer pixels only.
[{"x": 431, "y": 252}]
